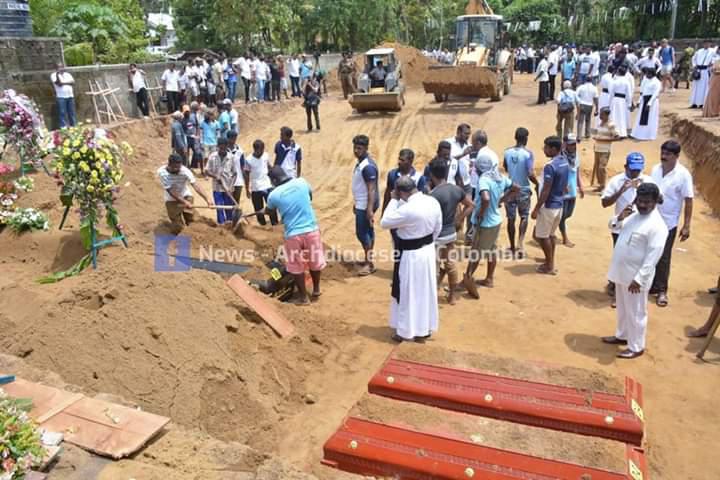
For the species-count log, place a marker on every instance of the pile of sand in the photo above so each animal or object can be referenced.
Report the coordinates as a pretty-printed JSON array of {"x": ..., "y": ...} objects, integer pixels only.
[
  {"x": 415, "y": 64},
  {"x": 179, "y": 344}
]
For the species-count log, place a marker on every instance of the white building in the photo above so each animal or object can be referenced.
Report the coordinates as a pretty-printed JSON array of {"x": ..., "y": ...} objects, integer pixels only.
[{"x": 161, "y": 22}]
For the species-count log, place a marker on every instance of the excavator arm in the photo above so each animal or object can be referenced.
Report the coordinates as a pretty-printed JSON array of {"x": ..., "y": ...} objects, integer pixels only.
[{"x": 478, "y": 7}]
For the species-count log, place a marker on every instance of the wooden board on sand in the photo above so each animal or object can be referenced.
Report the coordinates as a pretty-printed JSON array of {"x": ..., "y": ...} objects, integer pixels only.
[
  {"x": 100, "y": 427},
  {"x": 261, "y": 306}
]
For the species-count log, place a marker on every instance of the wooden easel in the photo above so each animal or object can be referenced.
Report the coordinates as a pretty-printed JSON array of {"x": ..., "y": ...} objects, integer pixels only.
[
  {"x": 150, "y": 91},
  {"x": 109, "y": 97}
]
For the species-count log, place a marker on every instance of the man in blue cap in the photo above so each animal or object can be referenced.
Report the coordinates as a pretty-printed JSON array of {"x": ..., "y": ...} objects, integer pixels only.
[{"x": 621, "y": 190}]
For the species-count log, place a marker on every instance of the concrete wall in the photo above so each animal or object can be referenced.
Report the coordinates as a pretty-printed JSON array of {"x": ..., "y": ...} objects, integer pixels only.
[
  {"x": 22, "y": 75},
  {"x": 36, "y": 84}
]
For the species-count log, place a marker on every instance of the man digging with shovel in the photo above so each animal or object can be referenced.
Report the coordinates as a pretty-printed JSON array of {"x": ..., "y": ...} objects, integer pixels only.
[
  {"x": 222, "y": 169},
  {"x": 175, "y": 178}
]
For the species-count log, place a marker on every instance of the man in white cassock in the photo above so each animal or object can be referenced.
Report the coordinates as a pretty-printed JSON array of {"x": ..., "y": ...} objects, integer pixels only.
[
  {"x": 417, "y": 219},
  {"x": 621, "y": 94},
  {"x": 639, "y": 247},
  {"x": 648, "y": 115},
  {"x": 702, "y": 62}
]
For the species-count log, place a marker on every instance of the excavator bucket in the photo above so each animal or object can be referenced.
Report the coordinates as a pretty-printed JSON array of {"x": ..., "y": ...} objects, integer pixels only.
[
  {"x": 377, "y": 100},
  {"x": 462, "y": 80}
]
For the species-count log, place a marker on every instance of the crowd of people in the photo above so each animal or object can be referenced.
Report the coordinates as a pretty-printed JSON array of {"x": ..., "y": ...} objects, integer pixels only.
[{"x": 451, "y": 210}]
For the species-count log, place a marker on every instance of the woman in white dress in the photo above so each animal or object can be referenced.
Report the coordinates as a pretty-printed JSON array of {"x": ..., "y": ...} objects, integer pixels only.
[
  {"x": 648, "y": 116},
  {"x": 621, "y": 93}
]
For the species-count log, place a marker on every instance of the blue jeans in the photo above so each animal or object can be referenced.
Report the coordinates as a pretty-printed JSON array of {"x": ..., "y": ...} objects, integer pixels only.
[
  {"x": 363, "y": 229},
  {"x": 222, "y": 198},
  {"x": 66, "y": 109},
  {"x": 567, "y": 211},
  {"x": 260, "y": 90},
  {"x": 232, "y": 89}
]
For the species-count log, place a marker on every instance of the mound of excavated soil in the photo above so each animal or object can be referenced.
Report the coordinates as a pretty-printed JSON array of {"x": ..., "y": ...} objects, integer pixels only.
[
  {"x": 415, "y": 64},
  {"x": 179, "y": 344},
  {"x": 701, "y": 142}
]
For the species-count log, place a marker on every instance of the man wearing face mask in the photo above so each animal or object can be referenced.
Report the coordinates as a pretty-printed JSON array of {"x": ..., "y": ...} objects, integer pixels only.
[
  {"x": 418, "y": 220},
  {"x": 620, "y": 191},
  {"x": 639, "y": 247}
]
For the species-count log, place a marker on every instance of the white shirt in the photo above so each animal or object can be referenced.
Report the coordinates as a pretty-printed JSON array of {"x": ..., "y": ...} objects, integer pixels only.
[
  {"x": 628, "y": 197},
  {"x": 172, "y": 80},
  {"x": 675, "y": 187},
  {"x": 64, "y": 91},
  {"x": 586, "y": 94},
  {"x": 486, "y": 152},
  {"x": 542, "y": 71},
  {"x": 138, "y": 81},
  {"x": 294, "y": 67},
  {"x": 234, "y": 120},
  {"x": 463, "y": 163},
  {"x": 289, "y": 163},
  {"x": 703, "y": 57},
  {"x": 569, "y": 95},
  {"x": 647, "y": 62},
  {"x": 238, "y": 155},
  {"x": 586, "y": 63},
  {"x": 419, "y": 217},
  {"x": 359, "y": 187},
  {"x": 553, "y": 60},
  {"x": 258, "y": 170},
  {"x": 605, "y": 82},
  {"x": 260, "y": 70},
  {"x": 595, "y": 60},
  {"x": 177, "y": 182},
  {"x": 639, "y": 247}
]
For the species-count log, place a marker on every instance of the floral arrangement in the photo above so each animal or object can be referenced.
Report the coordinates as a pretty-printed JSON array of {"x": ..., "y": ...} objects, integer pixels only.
[
  {"x": 88, "y": 163},
  {"x": 24, "y": 184},
  {"x": 20, "y": 444},
  {"x": 21, "y": 127},
  {"x": 8, "y": 196},
  {"x": 26, "y": 219}
]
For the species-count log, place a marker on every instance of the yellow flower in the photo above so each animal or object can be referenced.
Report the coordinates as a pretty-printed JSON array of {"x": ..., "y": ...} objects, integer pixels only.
[
  {"x": 84, "y": 166},
  {"x": 118, "y": 178},
  {"x": 76, "y": 143},
  {"x": 66, "y": 151},
  {"x": 94, "y": 174},
  {"x": 84, "y": 149},
  {"x": 94, "y": 180},
  {"x": 75, "y": 155},
  {"x": 90, "y": 189},
  {"x": 66, "y": 143},
  {"x": 98, "y": 165}
]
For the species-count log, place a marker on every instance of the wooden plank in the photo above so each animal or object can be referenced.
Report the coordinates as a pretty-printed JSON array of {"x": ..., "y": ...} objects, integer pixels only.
[
  {"x": 261, "y": 306},
  {"x": 101, "y": 427}
]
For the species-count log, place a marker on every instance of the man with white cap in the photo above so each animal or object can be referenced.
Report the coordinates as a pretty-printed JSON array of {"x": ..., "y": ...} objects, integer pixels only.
[
  {"x": 493, "y": 188},
  {"x": 620, "y": 192},
  {"x": 638, "y": 249},
  {"x": 418, "y": 221}
]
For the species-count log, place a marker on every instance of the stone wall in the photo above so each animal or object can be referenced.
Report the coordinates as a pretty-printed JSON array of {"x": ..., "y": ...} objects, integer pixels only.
[
  {"x": 21, "y": 54},
  {"x": 15, "y": 20}
]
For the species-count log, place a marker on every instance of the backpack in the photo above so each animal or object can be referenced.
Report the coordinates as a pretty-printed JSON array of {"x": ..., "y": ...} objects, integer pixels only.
[{"x": 566, "y": 103}]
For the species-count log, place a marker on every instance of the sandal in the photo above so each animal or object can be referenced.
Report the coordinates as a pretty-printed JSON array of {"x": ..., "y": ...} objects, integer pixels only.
[
  {"x": 662, "y": 300},
  {"x": 367, "y": 270},
  {"x": 544, "y": 270}
]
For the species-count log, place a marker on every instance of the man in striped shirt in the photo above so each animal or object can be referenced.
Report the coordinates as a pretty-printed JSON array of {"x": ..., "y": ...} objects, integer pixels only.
[{"x": 174, "y": 178}]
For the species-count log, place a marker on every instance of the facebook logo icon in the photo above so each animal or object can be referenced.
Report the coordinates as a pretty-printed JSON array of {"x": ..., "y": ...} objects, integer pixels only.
[{"x": 164, "y": 262}]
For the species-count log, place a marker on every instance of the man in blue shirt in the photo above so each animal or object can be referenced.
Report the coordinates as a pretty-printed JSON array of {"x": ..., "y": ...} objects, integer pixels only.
[
  {"x": 548, "y": 210},
  {"x": 518, "y": 162},
  {"x": 493, "y": 188},
  {"x": 365, "y": 200},
  {"x": 303, "y": 245},
  {"x": 574, "y": 186},
  {"x": 405, "y": 167},
  {"x": 667, "y": 60}
]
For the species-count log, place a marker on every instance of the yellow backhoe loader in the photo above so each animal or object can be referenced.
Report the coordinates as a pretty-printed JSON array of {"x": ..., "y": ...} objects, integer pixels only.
[{"x": 482, "y": 67}]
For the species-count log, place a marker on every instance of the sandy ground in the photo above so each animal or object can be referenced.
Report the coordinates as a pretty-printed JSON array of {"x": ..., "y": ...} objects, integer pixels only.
[{"x": 176, "y": 344}]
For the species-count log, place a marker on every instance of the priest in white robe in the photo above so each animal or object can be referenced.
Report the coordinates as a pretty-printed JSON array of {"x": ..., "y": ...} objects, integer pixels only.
[
  {"x": 648, "y": 115},
  {"x": 621, "y": 94},
  {"x": 639, "y": 246},
  {"x": 702, "y": 62},
  {"x": 417, "y": 219},
  {"x": 604, "y": 98}
]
